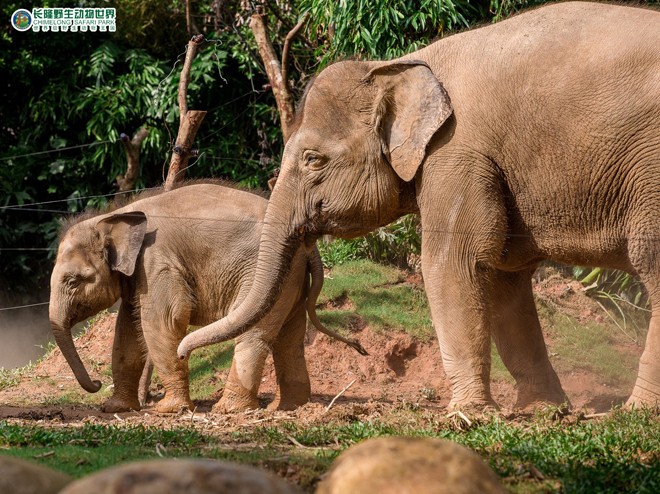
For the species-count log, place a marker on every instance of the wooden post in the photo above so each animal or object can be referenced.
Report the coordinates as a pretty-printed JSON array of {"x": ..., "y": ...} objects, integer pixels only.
[{"x": 189, "y": 121}]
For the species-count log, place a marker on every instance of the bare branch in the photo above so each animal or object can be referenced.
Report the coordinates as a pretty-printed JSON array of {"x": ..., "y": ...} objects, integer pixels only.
[
  {"x": 276, "y": 71},
  {"x": 191, "y": 51},
  {"x": 287, "y": 47},
  {"x": 189, "y": 121},
  {"x": 189, "y": 17},
  {"x": 132, "y": 148}
]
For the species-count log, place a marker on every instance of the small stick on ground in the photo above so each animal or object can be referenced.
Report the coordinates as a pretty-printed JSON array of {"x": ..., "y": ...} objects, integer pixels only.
[
  {"x": 340, "y": 393},
  {"x": 461, "y": 415}
]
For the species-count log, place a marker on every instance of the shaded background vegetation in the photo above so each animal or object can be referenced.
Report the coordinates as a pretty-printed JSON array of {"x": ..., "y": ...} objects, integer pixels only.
[{"x": 66, "y": 98}]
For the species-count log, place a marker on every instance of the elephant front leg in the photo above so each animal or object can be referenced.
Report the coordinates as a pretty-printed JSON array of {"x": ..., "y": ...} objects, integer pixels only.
[
  {"x": 646, "y": 392},
  {"x": 247, "y": 367},
  {"x": 163, "y": 330},
  {"x": 457, "y": 287},
  {"x": 293, "y": 386},
  {"x": 127, "y": 363},
  {"x": 456, "y": 298},
  {"x": 517, "y": 333}
]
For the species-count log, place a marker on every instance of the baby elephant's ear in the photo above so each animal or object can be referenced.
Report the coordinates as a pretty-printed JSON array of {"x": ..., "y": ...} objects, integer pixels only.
[
  {"x": 122, "y": 236},
  {"x": 411, "y": 105}
]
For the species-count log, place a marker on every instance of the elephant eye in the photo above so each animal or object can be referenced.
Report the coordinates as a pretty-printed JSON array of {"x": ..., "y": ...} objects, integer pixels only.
[
  {"x": 74, "y": 280},
  {"x": 313, "y": 160}
]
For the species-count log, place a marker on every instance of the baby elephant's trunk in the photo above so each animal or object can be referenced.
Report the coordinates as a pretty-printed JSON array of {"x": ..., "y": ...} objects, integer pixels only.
[{"x": 64, "y": 341}]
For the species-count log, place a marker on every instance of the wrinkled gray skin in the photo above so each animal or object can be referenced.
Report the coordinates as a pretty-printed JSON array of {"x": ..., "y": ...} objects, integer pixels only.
[
  {"x": 182, "y": 258},
  {"x": 535, "y": 138}
]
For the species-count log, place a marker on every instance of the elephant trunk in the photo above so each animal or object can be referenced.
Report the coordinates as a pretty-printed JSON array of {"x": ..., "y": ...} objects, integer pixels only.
[
  {"x": 278, "y": 245},
  {"x": 64, "y": 339}
]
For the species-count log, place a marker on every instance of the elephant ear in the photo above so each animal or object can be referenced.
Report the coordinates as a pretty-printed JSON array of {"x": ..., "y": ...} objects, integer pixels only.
[
  {"x": 411, "y": 106},
  {"x": 122, "y": 236}
]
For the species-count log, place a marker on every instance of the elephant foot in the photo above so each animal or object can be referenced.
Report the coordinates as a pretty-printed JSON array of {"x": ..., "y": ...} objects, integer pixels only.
[
  {"x": 278, "y": 404},
  {"x": 475, "y": 398},
  {"x": 475, "y": 403},
  {"x": 235, "y": 398},
  {"x": 116, "y": 404},
  {"x": 291, "y": 396},
  {"x": 173, "y": 404},
  {"x": 533, "y": 399},
  {"x": 647, "y": 396}
]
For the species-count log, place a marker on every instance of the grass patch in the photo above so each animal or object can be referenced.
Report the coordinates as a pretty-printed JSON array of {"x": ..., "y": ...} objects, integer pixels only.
[
  {"x": 11, "y": 377},
  {"x": 619, "y": 453},
  {"x": 379, "y": 297},
  {"x": 204, "y": 364},
  {"x": 498, "y": 371},
  {"x": 82, "y": 450},
  {"x": 588, "y": 346}
]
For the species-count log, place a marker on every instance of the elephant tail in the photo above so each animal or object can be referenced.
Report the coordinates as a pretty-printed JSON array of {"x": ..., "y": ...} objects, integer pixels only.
[{"x": 315, "y": 266}]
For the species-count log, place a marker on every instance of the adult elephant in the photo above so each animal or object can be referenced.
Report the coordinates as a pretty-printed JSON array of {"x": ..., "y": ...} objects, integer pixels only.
[{"x": 548, "y": 149}]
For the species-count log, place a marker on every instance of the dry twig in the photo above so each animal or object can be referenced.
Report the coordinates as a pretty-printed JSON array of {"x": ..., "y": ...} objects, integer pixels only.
[{"x": 340, "y": 393}]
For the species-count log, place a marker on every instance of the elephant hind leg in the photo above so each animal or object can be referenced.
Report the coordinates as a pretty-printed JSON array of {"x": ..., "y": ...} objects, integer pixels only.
[
  {"x": 247, "y": 367},
  {"x": 293, "y": 386},
  {"x": 165, "y": 314},
  {"x": 644, "y": 252},
  {"x": 517, "y": 333}
]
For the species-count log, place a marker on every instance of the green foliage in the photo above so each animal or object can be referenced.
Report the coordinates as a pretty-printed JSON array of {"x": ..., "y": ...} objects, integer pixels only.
[
  {"x": 613, "y": 285},
  {"x": 91, "y": 447},
  {"x": 383, "y": 28},
  {"x": 82, "y": 91},
  {"x": 398, "y": 244},
  {"x": 589, "y": 346}
]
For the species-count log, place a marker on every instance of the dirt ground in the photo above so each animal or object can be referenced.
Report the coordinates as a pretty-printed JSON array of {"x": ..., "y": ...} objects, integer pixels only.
[{"x": 398, "y": 371}]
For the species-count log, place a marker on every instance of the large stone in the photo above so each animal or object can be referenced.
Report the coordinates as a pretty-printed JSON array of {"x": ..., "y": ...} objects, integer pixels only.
[
  {"x": 403, "y": 465},
  {"x": 174, "y": 476},
  {"x": 24, "y": 477}
]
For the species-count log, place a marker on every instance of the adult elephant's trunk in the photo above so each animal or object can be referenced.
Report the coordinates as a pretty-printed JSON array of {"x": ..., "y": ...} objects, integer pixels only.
[
  {"x": 280, "y": 240},
  {"x": 64, "y": 339}
]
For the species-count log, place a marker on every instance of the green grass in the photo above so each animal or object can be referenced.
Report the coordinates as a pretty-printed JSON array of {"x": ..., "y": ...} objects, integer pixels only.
[
  {"x": 11, "y": 377},
  {"x": 82, "y": 450},
  {"x": 379, "y": 296},
  {"x": 588, "y": 346},
  {"x": 620, "y": 453},
  {"x": 204, "y": 363}
]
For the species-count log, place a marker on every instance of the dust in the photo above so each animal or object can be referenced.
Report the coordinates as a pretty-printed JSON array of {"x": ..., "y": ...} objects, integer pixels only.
[{"x": 24, "y": 335}]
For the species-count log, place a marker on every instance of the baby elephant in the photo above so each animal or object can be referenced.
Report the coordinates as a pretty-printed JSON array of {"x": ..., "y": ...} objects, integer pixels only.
[{"x": 180, "y": 258}]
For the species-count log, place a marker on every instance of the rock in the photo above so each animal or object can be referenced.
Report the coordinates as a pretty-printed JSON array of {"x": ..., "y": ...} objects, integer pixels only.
[
  {"x": 402, "y": 465},
  {"x": 174, "y": 476},
  {"x": 24, "y": 477}
]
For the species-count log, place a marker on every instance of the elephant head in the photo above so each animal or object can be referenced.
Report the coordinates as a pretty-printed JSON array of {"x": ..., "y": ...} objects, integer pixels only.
[
  {"x": 360, "y": 136},
  {"x": 92, "y": 257}
]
